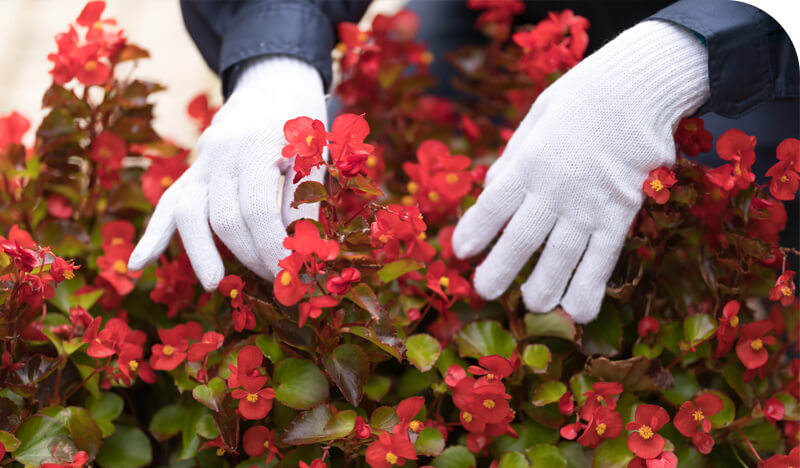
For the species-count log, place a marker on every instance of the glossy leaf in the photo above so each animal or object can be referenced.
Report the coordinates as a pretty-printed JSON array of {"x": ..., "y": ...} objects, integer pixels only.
[
  {"x": 348, "y": 367},
  {"x": 127, "y": 448},
  {"x": 698, "y": 327},
  {"x": 38, "y": 435},
  {"x": 299, "y": 384},
  {"x": 398, "y": 268},
  {"x": 514, "y": 460},
  {"x": 211, "y": 394},
  {"x": 429, "y": 442},
  {"x": 456, "y": 456},
  {"x": 423, "y": 351},
  {"x": 548, "y": 392},
  {"x": 105, "y": 409},
  {"x": 556, "y": 324},
  {"x": 536, "y": 357},
  {"x": 478, "y": 339},
  {"x": 167, "y": 422},
  {"x": 612, "y": 453},
  {"x": 309, "y": 192},
  {"x": 546, "y": 455}
]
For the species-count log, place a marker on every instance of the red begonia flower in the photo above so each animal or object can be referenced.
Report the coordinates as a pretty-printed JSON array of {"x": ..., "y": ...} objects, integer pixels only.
[
  {"x": 233, "y": 287},
  {"x": 289, "y": 289},
  {"x": 658, "y": 183},
  {"x": 114, "y": 268},
  {"x": 784, "y": 288},
  {"x": 162, "y": 173},
  {"x": 317, "y": 463},
  {"x": 692, "y": 137},
  {"x": 774, "y": 410},
  {"x": 737, "y": 147},
  {"x": 647, "y": 326},
  {"x": 243, "y": 319},
  {"x": 174, "y": 287},
  {"x": 406, "y": 411},
  {"x": 693, "y": 413},
  {"x": 728, "y": 325},
  {"x": 257, "y": 441},
  {"x": 493, "y": 367},
  {"x": 117, "y": 233},
  {"x": 604, "y": 424},
  {"x": 62, "y": 270},
  {"x": 600, "y": 395},
  {"x": 211, "y": 341},
  {"x": 389, "y": 450},
  {"x": 172, "y": 350},
  {"x": 751, "y": 345},
  {"x": 306, "y": 241},
  {"x": 12, "y": 128},
  {"x": 444, "y": 281},
  {"x": 645, "y": 442},
  {"x": 200, "y": 110},
  {"x": 254, "y": 402},
  {"x": 789, "y": 150},
  {"x": 566, "y": 404},
  {"x": 107, "y": 341},
  {"x": 339, "y": 284},
  {"x": 784, "y": 461},
  {"x": 785, "y": 180},
  {"x": 663, "y": 460},
  {"x": 79, "y": 459},
  {"x": 306, "y": 140},
  {"x": 248, "y": 369},
  {"x": 361, "y": 428},
  {"x": 313, "y": 308},
  {"x": 107, "y": 151}
]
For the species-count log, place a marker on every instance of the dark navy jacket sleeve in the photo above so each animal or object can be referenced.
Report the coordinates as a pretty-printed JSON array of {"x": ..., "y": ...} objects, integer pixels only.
[
  {"x": 751, "y": 59},
  {"x": 229, "y": 32}
]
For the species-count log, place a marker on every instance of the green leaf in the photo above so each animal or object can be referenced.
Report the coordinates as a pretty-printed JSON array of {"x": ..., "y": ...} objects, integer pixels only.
[
  {"x": 546, "y": 455},
  {"x": 127, "y": 448},
  {"x": 348, "y": 367},
  {"x": 603, "y": 335},
  {"x": 684, "y": 388},
  {"x": 270, "y": 347},
  {"x": 556, "y": 324},
  {"x": 105, "y": 409},
  {"x": 309, "y": 192},
  {"x": 300, "y": 384},
  {"x": 320, "y": 424},
  {"x": 398, "y": 268},
  {"x": 549, "y": 392},
  {"x": 365, "y": 185},
  {"x": 577, "y": 456},
  {"x": 635, "y": 374},
  {"x": 485, "y": 338},
  {"x": 82, "y": 428},
  {"x": 530, "y": 433},
  {"x": 206, "y": 426},
  {"x": 650, "y": 352},
  {"x": 726, "y": 414},
  {"x": 384, "y": 418},
  {"x": 38, "y": 435},
  {"x": 763, "y": 435},
  {"x": 514, "y": 460},
  {"x": 579, "y": 384},
  {"x": 390, "y": 346},
  {"x": 537, "y": 357},
  {"x": 790, "y": 407},
  {"x": 733, "y": 373},
  {"x": 612, "y": 453},
  {"x": 377, "y": 387},
  {"x": 698, "y": 327},
  {"x": 167, "y": 422},
  {"x": 423, "y": 351},
  {"x": 341, "y": 424},
  {"x": 10, "y": 443},
  {"x": 456, "y": 456},
  {"x": 211, "y": 394},
  {"x": 429, "y": 442},
  {"x": 189, "y": 437},
  {"x": 363, "y": 296}
]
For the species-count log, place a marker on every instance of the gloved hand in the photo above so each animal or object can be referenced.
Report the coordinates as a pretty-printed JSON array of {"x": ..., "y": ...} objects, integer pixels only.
[
  {"x": 235, "y": 182},
  {"x": 573, "y": 171}
]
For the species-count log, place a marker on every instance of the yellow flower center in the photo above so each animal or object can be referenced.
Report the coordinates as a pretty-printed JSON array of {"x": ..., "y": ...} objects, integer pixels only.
[
  {"x": 488, "y": 404},
  {"x": 266, "y": 444},
  {"x": 416, "y": 426},
  {"x": 698, "y": 415},
  {"x": 444, "y": 281},
  {"x": 451, "y": 178},
  {"x": 133, "y": 365},
  {"x": 646, "y": 432},
  {"x": 737, "y": 169},
  {"x": 90, "y": 66},
  {"x": 412, "y": 187},
  {"x": 309, "y": 139},
  {"x": 426, "y": 57},
  {"x": 434, "y": 196},
  {"x": 363, "y": 36},
  {"x": 786, "y": 291},
  {"x": 117, "y": 241},
  {"x": 120, "y": 267},
  {"x": 601, "y": 428},
  {"x": 234, "y": 293},
  {"x": 166, "y": 181},
  {"x": 784, "y": 179},
  {"x": 383, "y": 238},
  {"x": 600, "y": 398},
  {"x": 467, "y": 416},
  {"x": 168, "y": 350},
  {"x": 656, "y": 185},
  {"x": 490, "y": 376},
  {"x": 252, "y": 397},
  {"x": 372, "y": 161},
  {"x": 407, "y": 200},
  {"x": 68, "y": 274},
  {"x": 422, "y": 236},
  {"x": 286, "y": 278},
  {"x": 735, "y": 321},
  {"x": 391, "y": 458},
  {"x": 756, "y": 344},
  {"x": 691, "y": 126},
  {"x": 220, "y": 451}
]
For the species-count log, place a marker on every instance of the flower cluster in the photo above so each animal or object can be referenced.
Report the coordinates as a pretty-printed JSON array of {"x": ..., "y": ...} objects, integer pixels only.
[{"x": 554, "y": 45}]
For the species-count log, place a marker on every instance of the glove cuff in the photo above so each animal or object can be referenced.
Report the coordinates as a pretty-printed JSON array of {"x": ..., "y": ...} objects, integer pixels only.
[
  {"x": 279, "y": 76},
  {"x": 661, "y": 67}
]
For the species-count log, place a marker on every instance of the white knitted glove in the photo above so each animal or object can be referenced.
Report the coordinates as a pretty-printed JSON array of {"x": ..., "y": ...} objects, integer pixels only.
[
  {"x": 234, "y": 185},
  {"x": 574, "y": 168}
]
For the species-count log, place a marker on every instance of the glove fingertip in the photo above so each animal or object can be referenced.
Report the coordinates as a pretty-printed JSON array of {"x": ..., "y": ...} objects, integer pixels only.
[{"x": 210, "y": 278}]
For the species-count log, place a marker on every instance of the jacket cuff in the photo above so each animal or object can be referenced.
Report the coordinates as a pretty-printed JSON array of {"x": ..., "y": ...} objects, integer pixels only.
[
  {"x": 277, "y": 28},
  {"x": 736, "y": 35}
]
